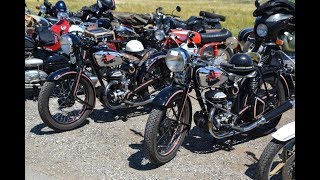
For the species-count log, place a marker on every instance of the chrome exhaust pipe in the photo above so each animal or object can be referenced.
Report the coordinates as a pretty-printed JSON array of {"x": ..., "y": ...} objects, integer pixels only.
[
  {"x": 223, "y": 135},
  {"x": 267, "y": 117}
]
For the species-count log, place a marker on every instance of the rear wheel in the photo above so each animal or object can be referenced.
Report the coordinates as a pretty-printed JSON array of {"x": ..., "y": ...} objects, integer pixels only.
[
  {"x": 61, "y": 112},
  {"x": 274, "y": 88},
  {"x": 164, "y": 132}
]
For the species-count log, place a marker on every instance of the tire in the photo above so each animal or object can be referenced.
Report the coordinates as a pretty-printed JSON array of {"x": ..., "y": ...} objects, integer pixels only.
[
  {"x": 280, "y": 98},
  {"x": 267, "y": 161},
  {"x": 156, "y": 125},
  {"x": 226, "y": 54},
  {"x": 57, "y": 121}
]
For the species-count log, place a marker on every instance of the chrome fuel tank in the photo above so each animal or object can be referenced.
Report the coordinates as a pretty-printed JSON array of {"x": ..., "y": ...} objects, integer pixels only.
[{"x": 210, "y": 76}]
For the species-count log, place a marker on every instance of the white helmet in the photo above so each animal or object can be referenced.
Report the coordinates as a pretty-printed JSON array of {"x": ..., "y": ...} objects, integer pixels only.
[{"x": 134, "y": 46}]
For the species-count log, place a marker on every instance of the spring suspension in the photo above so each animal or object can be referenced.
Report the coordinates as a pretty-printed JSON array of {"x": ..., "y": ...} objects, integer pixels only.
[{"x": 253, "y": 84}]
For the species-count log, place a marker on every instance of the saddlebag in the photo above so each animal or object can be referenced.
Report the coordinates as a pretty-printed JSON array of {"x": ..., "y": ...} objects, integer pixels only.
[{"x": 44, "y": 36}]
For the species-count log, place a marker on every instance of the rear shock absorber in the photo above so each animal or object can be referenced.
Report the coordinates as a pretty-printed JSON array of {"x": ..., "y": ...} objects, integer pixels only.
[{"x": 253, "y": 84}]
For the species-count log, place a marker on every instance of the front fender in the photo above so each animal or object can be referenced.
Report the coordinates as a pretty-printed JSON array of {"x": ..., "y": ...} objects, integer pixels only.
[
  {"x": 162, "y": 100},
  {"x": 165, "y": 95},
  {"x": 56, "y": 75},
  {"x": 285, "y": 133}
]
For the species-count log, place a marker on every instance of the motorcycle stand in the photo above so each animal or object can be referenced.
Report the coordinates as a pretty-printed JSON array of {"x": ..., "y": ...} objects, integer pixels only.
[{"x": 35, "y": 91}]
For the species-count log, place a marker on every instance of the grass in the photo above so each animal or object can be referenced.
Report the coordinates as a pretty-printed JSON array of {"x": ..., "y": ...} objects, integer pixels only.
[{"x": 238, "y": 12}]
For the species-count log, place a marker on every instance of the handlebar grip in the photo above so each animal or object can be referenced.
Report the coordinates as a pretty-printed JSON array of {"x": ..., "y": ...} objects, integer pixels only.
[{"x": 226, "y": 65}]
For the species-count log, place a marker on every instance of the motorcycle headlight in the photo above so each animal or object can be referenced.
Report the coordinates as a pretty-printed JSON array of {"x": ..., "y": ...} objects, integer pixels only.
[
  {"x": 43, "y": 9},
  {"x": 62, "y": 15},
  {"x": 176, "y": 59},
  {"x": 66, "y": 44},
  {"x": 262, "y": 30},
  {"x": 159, "y": 35}
]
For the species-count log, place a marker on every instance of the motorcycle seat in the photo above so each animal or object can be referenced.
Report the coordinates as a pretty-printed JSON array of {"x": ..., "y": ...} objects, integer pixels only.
[
  {"x": 215, "y": 36},
  {"x": 212, "y": 15}
]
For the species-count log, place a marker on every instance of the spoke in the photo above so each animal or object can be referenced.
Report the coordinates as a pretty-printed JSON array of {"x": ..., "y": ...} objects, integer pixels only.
[
  {"x": 277, "y": 169},
  {"x": 174, "y": 113}
]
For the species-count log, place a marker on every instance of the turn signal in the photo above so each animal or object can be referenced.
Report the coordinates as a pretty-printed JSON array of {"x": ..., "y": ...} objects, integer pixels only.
[{"x": 279, "y": 42}]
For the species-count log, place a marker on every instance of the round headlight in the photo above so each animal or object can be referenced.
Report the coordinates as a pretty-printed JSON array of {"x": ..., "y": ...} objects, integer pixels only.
[
  {"x": 66, "y": 44},
  {"x": 62, "y": 15},
  {"x": 43, "y": 9},
  {"x": 176, "y": 59},
  {"x": 159, "y": 34},
  {"x": 262, "y": 30}
]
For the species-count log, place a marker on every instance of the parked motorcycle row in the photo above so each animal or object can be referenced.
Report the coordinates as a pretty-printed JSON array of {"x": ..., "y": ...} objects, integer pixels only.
[{"x": 243, "y": 84}]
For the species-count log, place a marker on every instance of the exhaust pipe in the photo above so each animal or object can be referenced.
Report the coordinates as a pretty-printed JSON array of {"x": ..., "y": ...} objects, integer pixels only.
[{"x": 267, "y": 117}]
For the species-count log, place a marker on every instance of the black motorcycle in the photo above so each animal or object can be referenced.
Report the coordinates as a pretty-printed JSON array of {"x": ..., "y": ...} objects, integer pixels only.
[
  {"x": 40, "y": 59},
  {"x": 126, "y": 79},
  {"x": 238, "y": 97},
  {"x": 275, "y": 19}
]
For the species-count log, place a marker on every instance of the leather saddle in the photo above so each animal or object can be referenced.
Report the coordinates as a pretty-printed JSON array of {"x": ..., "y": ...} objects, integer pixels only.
[{"x": 215, "y": 35}]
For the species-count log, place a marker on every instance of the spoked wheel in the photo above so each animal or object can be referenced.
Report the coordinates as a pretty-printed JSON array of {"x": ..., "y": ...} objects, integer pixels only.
[
  {"x": 164, "y": 132},
  {"x": 277, "y": 161},
  {"x": 59, "y": 110},
  {"x": 272, "y": 93},
  {"x": 162, "y": 75}
]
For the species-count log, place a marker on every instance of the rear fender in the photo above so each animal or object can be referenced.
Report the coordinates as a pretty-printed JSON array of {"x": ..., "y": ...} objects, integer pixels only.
[
  {"x": 285, "y": 133},
  {"x": 283, "y": 81}
]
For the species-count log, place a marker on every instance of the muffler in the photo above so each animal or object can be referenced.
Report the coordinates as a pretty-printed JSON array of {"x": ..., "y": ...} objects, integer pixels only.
[{"x": 268, "y": 116}]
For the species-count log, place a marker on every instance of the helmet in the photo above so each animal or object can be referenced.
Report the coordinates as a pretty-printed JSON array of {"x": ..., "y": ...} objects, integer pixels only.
[
  {"x": 60, "y": 6},
  {"x": 106, "y": 4},
  {"x": 134, "y": 46},
  {"x": 241, "y": 60}
]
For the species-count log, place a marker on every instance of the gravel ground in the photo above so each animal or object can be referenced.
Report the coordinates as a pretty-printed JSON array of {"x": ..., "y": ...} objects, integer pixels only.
[{"x": 111, "y": 148}]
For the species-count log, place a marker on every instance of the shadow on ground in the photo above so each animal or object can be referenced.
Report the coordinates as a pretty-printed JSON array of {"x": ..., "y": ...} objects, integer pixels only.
[
  {"x": 197, "y": 141},
  {"x": 99, "y": 116},
  {"x": 106, "y": 115}
]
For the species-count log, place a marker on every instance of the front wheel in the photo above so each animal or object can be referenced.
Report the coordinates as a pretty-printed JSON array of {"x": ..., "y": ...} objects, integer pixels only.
[
  {"x": 61, "y": 112},
  {"x": 164, "y": 132},
  {"x": 277, "y": 161}
]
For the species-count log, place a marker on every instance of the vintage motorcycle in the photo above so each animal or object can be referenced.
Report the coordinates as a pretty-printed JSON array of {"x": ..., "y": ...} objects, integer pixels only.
[
  {"x": 277, "y": 160},
  {"x": 208, "y": 38},
  {"x": 238, "y": 97},
  {"x": 42, "y": 52},
  {"x": 275, "y": 19},
  {"x": 127, "y": 79}
]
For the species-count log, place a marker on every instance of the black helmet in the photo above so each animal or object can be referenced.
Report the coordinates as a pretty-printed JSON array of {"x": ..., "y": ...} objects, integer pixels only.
[
  {"x": 106, "y": 4},
  {"x": 241, "y": 60},
  {"x": 60, "y": 7}
]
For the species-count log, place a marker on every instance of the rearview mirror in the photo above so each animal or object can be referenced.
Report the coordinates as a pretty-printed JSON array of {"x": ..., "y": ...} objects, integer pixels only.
[{"x": 178, "y": 8}]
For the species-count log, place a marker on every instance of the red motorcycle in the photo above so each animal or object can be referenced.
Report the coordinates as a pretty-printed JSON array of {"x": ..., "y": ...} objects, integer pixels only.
[{"x": 210, "y": 44}]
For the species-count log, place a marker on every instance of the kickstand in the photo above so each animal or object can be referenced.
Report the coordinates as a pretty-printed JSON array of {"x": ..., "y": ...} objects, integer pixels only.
[{"x": 34, "y": 93}]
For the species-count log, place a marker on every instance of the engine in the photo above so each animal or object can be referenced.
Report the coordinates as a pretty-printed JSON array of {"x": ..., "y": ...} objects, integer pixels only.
[
  {"x": 117, "y": 87},
  {"x": 217, "y": 116}
]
